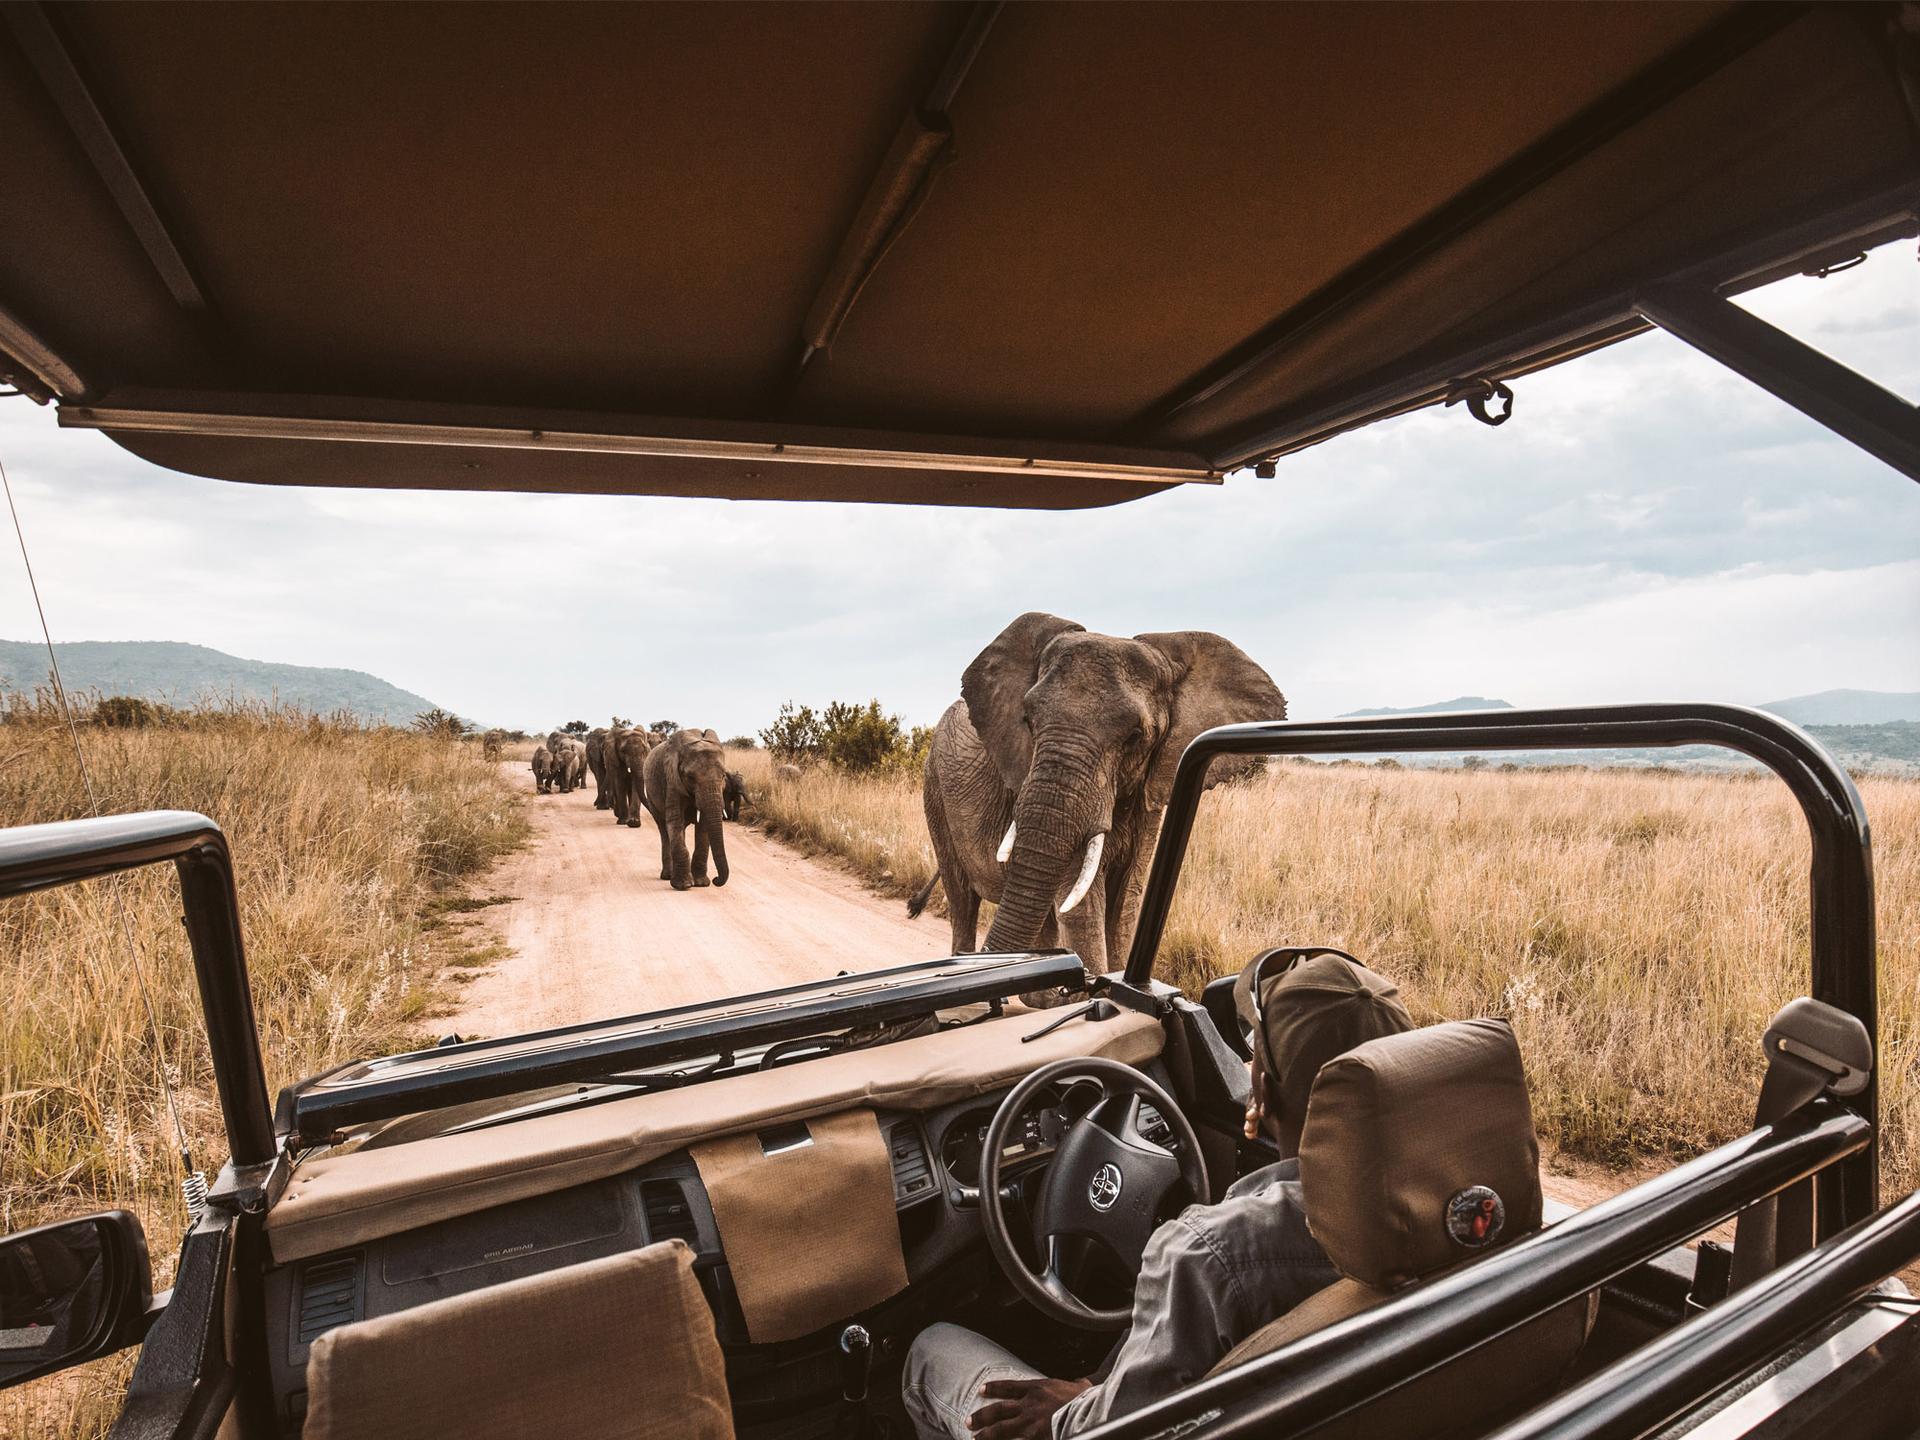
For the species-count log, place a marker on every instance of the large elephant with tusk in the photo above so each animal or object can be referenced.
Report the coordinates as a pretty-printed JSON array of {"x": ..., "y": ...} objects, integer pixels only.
[{"x": 1047, "y": 780}]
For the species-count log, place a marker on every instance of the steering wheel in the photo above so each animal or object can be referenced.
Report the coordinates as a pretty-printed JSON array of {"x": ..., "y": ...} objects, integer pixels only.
[{"x": 1107, "y": 1182}]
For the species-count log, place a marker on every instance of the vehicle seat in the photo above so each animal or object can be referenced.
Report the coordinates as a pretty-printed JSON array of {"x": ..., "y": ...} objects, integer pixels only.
[
  {"x": 616, "y": 1349},
  {"x": 1417, "y": 1154}
]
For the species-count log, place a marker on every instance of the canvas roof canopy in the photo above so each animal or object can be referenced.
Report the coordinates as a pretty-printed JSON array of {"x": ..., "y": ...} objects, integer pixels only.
[{"x": 1050, "y": 255}]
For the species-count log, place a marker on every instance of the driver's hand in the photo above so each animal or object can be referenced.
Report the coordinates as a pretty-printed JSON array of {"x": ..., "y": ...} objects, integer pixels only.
[{"x": 1021, "y": 1409}]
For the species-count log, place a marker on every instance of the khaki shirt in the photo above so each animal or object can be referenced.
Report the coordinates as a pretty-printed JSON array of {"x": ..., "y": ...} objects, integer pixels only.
[{"x": 1210, "y": 1278}]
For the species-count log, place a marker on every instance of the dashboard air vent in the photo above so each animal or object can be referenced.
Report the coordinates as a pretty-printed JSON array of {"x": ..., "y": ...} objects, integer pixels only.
[
  {"x": 329, "y": 1291},
  {"x": 912, "y": 1175},
  {"x": 669, "y": 1216}
]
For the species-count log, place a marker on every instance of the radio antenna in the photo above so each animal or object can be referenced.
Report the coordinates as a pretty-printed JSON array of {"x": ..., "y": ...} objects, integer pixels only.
[{"x": 193, "y": 1182}]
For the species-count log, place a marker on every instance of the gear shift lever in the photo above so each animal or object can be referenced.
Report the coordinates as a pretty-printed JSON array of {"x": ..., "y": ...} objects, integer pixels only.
[{"x": 856, "y": 1363}]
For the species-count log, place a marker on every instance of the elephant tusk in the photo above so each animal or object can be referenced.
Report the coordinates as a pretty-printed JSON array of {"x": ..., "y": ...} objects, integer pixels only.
[
  {"x": 1095, "y": 847},
  {"x": 1006, "y": 846}
]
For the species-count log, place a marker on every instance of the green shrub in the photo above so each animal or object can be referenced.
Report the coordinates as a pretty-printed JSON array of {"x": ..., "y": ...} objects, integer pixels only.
[
  {"x": 860, "y": 739},
  {"x": 794, "y": 736}
]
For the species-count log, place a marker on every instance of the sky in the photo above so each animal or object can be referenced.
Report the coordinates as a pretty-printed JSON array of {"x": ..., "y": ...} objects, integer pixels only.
[{"x": 1648, "y": 526}]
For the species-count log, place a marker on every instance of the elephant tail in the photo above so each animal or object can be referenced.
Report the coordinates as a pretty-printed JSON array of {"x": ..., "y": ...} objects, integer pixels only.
[{"x": 921, "y": 896}]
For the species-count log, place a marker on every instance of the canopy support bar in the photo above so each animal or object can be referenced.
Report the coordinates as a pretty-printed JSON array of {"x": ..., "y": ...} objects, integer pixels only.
[
  {"x": 1820, "y": 387},
  {"x": 894, "y": 196},
  {"x": 44, "y": 49}
]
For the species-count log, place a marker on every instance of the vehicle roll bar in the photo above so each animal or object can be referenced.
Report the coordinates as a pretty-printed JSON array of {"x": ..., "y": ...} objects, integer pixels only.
[
  {"x": 1840, "y": 880},
  {"x": 39, "y": 857},
  {"x": 1337, "y": 1369},
  {"x": 1690, "y": 1363}
]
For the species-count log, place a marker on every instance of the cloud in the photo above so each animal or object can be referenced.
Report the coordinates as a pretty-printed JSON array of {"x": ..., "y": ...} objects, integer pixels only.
[{"x": 1647, "y": 526}]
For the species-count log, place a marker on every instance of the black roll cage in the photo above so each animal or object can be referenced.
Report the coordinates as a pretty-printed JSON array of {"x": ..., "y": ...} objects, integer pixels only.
[
  {"x": 1840, "y": 881},
  {"x": 1339, "y": 1369},
  {"x": 40, "y": 857}
]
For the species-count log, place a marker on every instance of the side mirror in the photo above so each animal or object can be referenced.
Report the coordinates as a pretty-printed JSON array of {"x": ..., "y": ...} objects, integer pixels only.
[
  {"x": 70, "y": 1292},
  {"x": 1217, "y": 1001}
]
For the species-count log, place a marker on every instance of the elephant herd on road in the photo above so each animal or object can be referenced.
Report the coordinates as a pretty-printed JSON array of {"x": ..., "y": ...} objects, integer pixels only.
[
  {"x": 1044, "y": 789},
  {"x": 680, "y": 780}
]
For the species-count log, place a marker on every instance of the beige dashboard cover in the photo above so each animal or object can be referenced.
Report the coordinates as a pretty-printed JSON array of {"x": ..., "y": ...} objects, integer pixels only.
[
  {"x": 769, "y": 1192},
  {"x": 339, "y": 1200},
  {"x": 615, "y": 1349}
]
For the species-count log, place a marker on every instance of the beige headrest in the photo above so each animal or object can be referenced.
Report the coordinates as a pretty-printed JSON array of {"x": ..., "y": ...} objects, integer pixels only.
[{"x": 1419, "y": 1151}]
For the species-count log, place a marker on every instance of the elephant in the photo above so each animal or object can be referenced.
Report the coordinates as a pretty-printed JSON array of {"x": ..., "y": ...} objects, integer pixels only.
[
  {"x": 596, "y": 763},
  {"x": 1048, "y": 779},
  {"x": 735, "y": 794},
  {"x": 686, "y": 778},
  {"x": 626, "y": 757},
  {"x": 542, "y": 770},
  {"x": 786, "y": 772},
  {"x": 570, "y": 766},
  {"x": 568, "y": 758}
]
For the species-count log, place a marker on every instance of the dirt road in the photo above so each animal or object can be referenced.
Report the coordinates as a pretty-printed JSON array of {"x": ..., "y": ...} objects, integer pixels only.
[{"x": 592, "y": 931}]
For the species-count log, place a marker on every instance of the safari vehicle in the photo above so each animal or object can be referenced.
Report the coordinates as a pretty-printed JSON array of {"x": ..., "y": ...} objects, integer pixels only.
[{"x": 1046, "y": 256}]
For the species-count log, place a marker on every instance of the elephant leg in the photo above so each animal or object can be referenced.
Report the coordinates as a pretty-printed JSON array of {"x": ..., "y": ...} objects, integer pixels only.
[
  {"x": 677, "y": 842},
  {"x": 674, "y": 834},
  {"x": 963, "y": 908},
  {"x": 1082, "y": 930},
  {"x": 963, "y": 901}
]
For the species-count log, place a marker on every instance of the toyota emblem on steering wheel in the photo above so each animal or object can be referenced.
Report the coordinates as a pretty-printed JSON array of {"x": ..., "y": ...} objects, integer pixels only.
[{"x": 1104, "y": 1188}]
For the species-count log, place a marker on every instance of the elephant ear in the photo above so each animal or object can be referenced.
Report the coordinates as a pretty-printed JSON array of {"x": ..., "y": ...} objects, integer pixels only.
[
  {"x": 1215, "y": 683},
  {"x": 996, "y": 683}
]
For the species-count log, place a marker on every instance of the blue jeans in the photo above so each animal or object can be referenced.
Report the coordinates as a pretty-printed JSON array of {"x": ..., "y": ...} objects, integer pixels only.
[{"x": 946, "y": 1368}]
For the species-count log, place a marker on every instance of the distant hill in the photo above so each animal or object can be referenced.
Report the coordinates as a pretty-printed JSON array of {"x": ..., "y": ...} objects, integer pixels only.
[
  {"x": 1464, "y": 702},
  {"x": 1848, "y": 707},
  {"x": 179, "y": 674}
]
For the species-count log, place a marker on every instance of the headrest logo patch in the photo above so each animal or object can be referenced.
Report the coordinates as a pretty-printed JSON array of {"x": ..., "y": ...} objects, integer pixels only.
[{"x": 1475, "y": 1217}]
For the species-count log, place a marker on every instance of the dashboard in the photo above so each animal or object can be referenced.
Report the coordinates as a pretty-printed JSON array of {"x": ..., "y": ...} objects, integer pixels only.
[
  {"x": 1032, "y": 1137},
  {"x": 935, "y": 1158}
]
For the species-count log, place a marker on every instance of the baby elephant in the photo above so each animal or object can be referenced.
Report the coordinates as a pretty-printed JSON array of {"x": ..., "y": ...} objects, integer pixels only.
[
  {"x": 543, "y": 770},
  {"x": 570, "y": 766},
  {"x": 686, "y": 776},
  {"x": 734, "y": 795}
]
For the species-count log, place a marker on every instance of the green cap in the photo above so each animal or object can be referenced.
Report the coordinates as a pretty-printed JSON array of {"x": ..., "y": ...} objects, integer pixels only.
[{"x": 1310, "y": 1011}]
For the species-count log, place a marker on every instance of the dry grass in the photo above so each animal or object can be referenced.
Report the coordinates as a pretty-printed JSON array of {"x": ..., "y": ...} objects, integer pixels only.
[
  {"x": 1639, "y": 928},
  {"x": 874, "y": 823},
  {"x": 344, "y": 840}
]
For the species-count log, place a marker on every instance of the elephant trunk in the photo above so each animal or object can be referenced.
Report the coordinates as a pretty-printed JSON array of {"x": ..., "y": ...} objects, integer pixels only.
[
  {"x": 1059, "y": 830},
  {"x": 714, "y": 832}
]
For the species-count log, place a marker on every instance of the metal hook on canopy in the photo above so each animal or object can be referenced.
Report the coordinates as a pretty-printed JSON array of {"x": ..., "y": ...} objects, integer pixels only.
[{"x": 1477, "y": 392}]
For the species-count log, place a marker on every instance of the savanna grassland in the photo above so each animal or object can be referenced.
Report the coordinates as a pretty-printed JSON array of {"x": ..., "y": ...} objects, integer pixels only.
[
  {"x": 350, "y": 846},
  {"x": 1638, "y": 927}
]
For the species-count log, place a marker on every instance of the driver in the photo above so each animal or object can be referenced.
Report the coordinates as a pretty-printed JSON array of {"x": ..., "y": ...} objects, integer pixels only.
[{"x": 1216, "y": 1273}]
